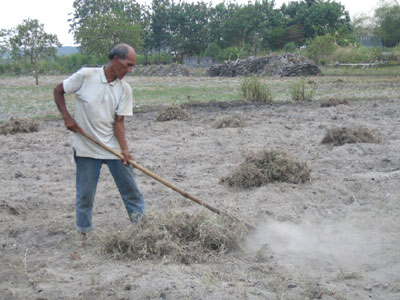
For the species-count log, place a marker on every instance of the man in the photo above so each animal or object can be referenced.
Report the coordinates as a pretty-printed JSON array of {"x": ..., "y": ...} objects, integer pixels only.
[{"x": 103, "y": 99}]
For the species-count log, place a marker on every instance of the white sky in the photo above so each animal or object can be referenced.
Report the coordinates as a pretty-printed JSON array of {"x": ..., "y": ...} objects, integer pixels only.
[{"x": 54, "y": 13}]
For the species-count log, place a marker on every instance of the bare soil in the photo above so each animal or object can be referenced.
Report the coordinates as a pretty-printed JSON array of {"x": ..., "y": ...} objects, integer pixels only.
[{"x": 335, "y": 237}]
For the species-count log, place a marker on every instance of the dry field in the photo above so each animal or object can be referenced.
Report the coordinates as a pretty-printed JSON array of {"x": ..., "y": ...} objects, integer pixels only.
[{"x": 335, "y": 236}]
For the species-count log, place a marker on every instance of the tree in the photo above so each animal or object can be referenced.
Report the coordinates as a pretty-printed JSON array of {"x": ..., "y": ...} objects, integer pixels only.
[
  {"x": 29, "y": 41},
  {"x": 318, "y": 17},
  {"x": 387, "y": 18},
  {"x": 220, "y": 18},
  {"x": 188, "y": 25},
  {"x": 98, "y": 25},
  {"x": 4, "y": 43},
  {"x": 160, "y": 25},
  {"x": 101, "y": 32}
]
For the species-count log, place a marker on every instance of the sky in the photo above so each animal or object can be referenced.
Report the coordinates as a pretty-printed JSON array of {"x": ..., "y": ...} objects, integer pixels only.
[{"x": 54, "y": 14}]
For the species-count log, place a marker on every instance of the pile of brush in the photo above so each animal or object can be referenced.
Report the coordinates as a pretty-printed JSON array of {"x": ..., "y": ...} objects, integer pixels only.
[
  {"x": 349, "y": 135},
  {"x": 14, "y": 126},
  {"x": 267, "y": 166},
  {"x": 176, "y": 236},
  {"x": 173, "y": 113}
]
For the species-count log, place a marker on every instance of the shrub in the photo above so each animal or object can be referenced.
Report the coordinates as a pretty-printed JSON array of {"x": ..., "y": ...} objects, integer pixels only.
[
  {"x": 355, "y": 55},
  {"x": 319, "y": 48},
  {"x": 290, "y": 47},
  {"x": 254, "y": 90},
  {"x": 300, "y": 92},
  {"x": 212, "y": 50}
]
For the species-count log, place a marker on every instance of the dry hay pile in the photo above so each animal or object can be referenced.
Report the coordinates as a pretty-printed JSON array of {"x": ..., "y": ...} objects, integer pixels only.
[
  {"x": 343, "y": 135},
  {"x": 229, "y": 121},
  {"x": 271, "y": 65},
  {"x": 267, "y": 166},
  {"x": 164, "y": 70},
  {"x": 334, "y": 102},
  {"x": 172, "y": 113},
  {"x": 176, "y": 236},
  {"x": 14, "y": 126}
]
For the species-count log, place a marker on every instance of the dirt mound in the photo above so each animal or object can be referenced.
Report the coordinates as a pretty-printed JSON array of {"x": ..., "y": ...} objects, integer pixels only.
[
  {"x": 271, "y": 65},
  {"x": 267, "y": 166},
  {"x": 14, "y": 126},
  {"x": 176, "y": 236},
  {"x": 343, "y": 135},
  {"x": 172, "y": 113},
  {"x": 164, "y": 70}
]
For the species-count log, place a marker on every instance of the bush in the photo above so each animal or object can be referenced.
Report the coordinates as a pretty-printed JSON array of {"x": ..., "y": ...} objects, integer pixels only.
[
  {"x": 319, "y": 48},
  {"x": 300, "y": 92},
  {"x": 230, "y": 53},
  {"x": 254, "y": 90},
  {"x": 165, "y": 58},
  {"x": 212, "y": 51},
  {"x": 355, "y": 55},
  {"x": 290, "y": 47}
]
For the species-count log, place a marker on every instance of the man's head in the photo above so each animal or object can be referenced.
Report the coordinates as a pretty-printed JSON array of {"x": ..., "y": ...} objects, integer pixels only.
[{"x": 122, "y": 59}]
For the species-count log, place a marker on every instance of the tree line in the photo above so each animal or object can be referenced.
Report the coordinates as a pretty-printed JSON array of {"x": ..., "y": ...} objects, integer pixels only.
[
  {"x": 227, "y": 30},
  {"x": 192, "y": 29}
]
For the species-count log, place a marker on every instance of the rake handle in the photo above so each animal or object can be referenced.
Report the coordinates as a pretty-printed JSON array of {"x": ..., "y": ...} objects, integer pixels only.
[{"x": 166, "y": 183}]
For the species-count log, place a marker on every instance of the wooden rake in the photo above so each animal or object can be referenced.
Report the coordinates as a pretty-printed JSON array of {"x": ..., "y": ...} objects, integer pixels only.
[{"x": 168, "y": 184}]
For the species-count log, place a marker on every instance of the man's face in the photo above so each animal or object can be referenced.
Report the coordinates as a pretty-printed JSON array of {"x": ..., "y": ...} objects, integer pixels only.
[{"x": 124, "y": 66}]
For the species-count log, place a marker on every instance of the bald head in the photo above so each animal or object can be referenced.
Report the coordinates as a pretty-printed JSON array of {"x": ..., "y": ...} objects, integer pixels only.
[{"x": 121, "y": 51}]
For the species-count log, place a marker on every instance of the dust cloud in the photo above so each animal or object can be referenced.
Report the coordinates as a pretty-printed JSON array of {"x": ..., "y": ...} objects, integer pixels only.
[{"x": 342, "y": 243}]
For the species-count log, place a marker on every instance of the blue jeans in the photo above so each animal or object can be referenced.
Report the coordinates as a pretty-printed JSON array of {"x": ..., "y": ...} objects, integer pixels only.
[{"x": 87, "y": 177}]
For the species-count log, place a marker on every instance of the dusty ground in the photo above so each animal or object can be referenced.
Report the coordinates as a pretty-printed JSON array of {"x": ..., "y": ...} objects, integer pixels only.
[{"x": 336, "y": 237}]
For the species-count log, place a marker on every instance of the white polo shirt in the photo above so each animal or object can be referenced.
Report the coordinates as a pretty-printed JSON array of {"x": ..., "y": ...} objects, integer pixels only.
[{"x": 97, "y": 105}]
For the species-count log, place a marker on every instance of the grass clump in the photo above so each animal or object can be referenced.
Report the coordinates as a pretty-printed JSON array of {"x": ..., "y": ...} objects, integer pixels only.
[
  {"x": 345, "y": 135},
  {"x": 176, "y": 236},
  {"x": 14, "y": 126},
  {"x": 267, "y": 166},
  {"x": 229, "y": 121},
  {"x": 300, "y": 91},
  {"x": 172, "y": 113},
  {"x": 255, "y": 91}
]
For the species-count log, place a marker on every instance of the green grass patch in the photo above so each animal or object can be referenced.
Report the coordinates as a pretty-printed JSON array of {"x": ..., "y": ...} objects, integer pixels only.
[
  {"x": 191, "y": 90},
  {"x": 20, "y": 98},
  {"x": 360, "y": 71}
]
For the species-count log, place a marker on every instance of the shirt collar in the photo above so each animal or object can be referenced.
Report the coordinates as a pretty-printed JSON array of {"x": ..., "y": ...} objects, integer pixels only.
[{"x": 104, "y": 79}]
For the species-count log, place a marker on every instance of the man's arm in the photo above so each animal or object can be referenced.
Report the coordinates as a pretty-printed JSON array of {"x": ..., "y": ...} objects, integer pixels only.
[
  {"x": 119, "y": 131},
  {"x": 69, "y": 122}
]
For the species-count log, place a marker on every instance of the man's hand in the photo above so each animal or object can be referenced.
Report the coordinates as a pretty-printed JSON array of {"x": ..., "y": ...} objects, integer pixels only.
[
  {"x": 71, "y": 124},
  {"x": 119, "y": 131},
  {"x": 127, "y": 156}
]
